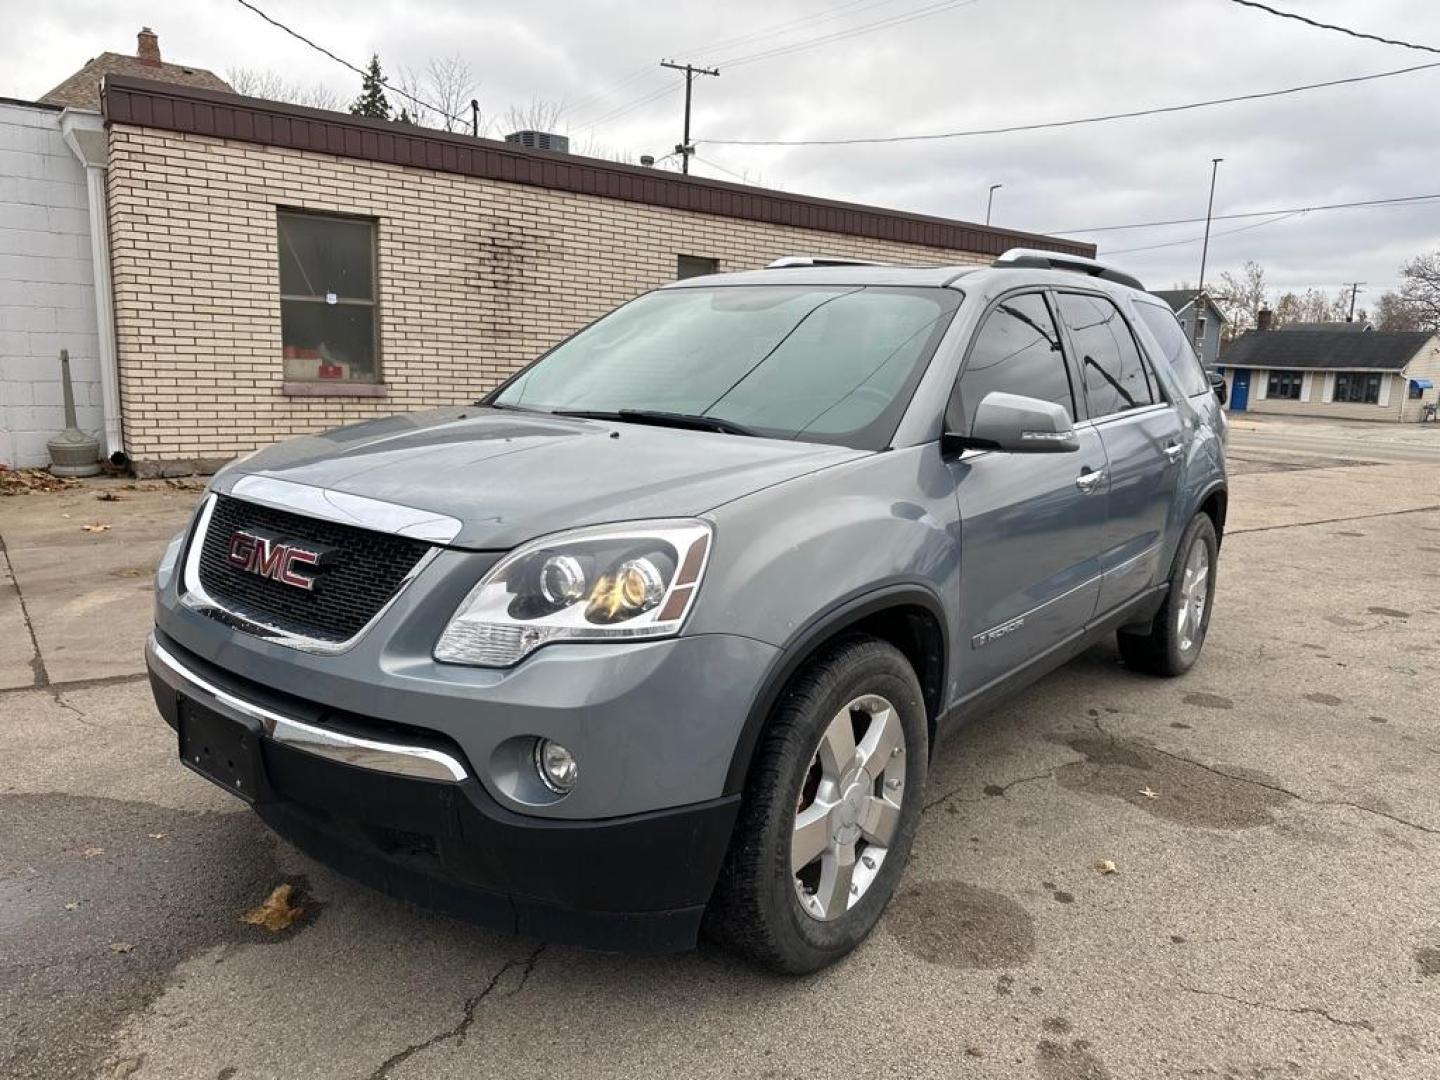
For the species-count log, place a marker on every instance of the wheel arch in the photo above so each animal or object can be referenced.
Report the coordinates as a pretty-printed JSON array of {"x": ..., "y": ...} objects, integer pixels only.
[
  {"x": 910, "y": 617},
  {"x": 1214, "y": 502}
]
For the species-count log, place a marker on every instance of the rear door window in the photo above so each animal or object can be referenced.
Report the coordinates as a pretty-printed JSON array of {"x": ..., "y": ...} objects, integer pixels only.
[
  {"x": 1105, "y": 351},
  {"x": 1175, "y": 348},
  {"x": 1017, "y": 351}
]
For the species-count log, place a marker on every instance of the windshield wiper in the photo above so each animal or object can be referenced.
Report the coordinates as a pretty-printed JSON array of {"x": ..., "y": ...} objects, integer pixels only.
[{"x": 690, "y": 421}]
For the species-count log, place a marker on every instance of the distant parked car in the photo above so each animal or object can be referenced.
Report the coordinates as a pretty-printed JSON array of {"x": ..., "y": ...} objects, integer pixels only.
[{"x": 659, "y": 636}]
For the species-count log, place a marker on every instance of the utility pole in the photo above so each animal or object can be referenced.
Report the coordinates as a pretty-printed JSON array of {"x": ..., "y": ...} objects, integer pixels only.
[
  {"x": 1354, "y": 288},
  {"x": 990, "y": 200},
  {"x": 690, "y": 70},
  {"x": 1205, "y": 247}
]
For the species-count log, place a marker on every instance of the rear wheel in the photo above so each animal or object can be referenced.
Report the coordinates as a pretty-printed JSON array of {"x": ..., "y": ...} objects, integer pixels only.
[
  {"x": 830, "y": 810},
  {"x": 1175, "y": 636}
]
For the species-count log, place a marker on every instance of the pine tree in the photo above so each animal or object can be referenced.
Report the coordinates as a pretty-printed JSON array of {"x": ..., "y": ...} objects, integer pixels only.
[{"x": 372, "y": 100}]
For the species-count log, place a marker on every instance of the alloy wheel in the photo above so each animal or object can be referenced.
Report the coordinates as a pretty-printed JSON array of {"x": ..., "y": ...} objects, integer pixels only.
[
  {"x": 1194, "y": 594},
  {"x": 849, "y": 807}
]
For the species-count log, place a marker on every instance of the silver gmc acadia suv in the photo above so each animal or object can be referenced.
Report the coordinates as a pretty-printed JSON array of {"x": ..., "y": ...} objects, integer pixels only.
[{"x": 660, "y": 636}]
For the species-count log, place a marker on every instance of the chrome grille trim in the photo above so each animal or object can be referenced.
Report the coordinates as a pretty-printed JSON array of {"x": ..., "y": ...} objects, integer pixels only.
[{"x": 194, "y": 596}]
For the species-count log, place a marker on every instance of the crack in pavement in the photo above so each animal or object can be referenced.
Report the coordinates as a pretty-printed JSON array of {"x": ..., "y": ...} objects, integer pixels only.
[
  {"x": 461, "y": 1029},
  {"x": 76, "y": 684},
  {"x": 37, "y": 662},
  {"x": 1293, "y": 1010},
  {"x": 1002, "y": 791},
  {"x": 1296, "y": 795},
  {"x": 1332, "y": 521}
]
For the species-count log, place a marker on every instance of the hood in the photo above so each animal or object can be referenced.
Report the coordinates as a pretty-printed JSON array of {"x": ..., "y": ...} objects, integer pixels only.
[{"x": 511, "y": 476}]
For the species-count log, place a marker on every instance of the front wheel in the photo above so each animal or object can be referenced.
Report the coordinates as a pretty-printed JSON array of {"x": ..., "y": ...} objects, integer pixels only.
[
  {"x": 1172, "y": 643},
  {"x": 830, "y": 810}
]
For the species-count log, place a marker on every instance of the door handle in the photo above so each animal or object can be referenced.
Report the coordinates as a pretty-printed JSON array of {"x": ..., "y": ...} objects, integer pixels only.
[
  {"x": 1173, "y": 451},
  {"x": 1089, "y": 482}
]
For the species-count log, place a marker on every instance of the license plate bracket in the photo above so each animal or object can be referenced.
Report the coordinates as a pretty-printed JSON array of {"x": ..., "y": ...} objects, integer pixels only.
[{"x": 223, "y": 749}]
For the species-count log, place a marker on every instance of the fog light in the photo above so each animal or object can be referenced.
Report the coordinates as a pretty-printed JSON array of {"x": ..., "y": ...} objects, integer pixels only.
[{"x": 556, "y": 765}]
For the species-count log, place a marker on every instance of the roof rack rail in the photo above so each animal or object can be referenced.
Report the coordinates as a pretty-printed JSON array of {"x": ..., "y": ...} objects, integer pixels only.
[
  {"x": 1054, "y": 260},
  {"x": 788, "y": 261}
]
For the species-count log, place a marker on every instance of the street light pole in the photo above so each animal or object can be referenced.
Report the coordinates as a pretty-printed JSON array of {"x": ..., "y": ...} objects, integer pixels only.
[
  {"x": 990, "y": 200},
  {"x": 1205, "y": 247}
]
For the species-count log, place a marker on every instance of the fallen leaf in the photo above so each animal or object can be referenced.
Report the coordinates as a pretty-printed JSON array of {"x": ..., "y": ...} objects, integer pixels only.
[
  {"x": 1148, "y": 793},
  {"x": 121, "y": 947},
  {"x": 157, "y": 836},
  {"x": 73, "y": 905},
  {"x": 109, "y": 496},
  {"x": 97, "y": 527},
  {"x": 276, "y": 913},
  {"x": 1105, "y": 866},
  {"x": 91, "y": 852}
]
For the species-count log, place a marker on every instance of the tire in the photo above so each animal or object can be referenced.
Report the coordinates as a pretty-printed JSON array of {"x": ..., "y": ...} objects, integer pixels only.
[
  {"x": 1171, "y": 645},
  {"x": 761, "y": 907}
]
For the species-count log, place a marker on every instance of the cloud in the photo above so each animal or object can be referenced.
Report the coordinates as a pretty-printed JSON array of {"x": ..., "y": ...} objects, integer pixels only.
[{"x": 957, "y": 65}]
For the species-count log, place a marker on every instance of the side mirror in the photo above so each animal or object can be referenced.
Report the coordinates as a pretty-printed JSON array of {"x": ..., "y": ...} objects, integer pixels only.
[
  {"x": 1217, "y": 384},
  {"x": 1018, "y": 425}
]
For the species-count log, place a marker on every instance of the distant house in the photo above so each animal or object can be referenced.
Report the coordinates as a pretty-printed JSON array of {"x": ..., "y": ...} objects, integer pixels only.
[
  {"x": 82, "y": 90},
  {"x": 1340, "y": 373},
  {"x": 1203, "y": 327}
]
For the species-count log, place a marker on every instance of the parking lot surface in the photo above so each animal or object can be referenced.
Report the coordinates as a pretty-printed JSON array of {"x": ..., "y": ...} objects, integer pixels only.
[{"x": 1273, "y": 822}]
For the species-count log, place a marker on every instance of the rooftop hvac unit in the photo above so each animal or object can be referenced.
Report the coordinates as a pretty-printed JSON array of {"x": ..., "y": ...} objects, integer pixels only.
[{"x": 540, "y": 140}]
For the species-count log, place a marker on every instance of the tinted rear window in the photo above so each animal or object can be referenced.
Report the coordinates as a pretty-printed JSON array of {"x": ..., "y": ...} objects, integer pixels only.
[
  {"x": 1175, "y": 348},
  {"x": 1106, "y": 353}
]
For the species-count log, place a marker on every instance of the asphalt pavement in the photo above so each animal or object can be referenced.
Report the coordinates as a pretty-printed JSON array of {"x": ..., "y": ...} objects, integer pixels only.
[{"x": 1273, "y": 820}]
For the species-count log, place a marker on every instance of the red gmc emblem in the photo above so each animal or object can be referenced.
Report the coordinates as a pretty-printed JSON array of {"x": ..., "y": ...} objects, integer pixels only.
[{"x": 273, "y": 559}]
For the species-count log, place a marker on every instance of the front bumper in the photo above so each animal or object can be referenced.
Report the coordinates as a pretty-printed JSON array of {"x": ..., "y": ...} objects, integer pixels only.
[{"x": 402, "y": 809}]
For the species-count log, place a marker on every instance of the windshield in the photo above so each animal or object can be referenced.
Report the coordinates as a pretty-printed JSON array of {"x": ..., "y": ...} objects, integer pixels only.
[{"x": 819, "y": 364}]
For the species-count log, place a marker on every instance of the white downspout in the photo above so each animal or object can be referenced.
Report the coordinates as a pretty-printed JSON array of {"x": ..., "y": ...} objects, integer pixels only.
[{"x": 85, "y": 134}]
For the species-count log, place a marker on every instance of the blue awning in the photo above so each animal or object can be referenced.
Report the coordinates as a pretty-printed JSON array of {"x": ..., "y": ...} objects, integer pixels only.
[{"x": 1423, "y": 384}]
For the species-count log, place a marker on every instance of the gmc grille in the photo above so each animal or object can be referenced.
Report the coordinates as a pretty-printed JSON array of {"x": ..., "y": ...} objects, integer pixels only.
[{"x": 364, "y": 571}]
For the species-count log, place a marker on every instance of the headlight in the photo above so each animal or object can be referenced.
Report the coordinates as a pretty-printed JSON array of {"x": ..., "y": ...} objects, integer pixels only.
[{"x": 611, "y": 582}]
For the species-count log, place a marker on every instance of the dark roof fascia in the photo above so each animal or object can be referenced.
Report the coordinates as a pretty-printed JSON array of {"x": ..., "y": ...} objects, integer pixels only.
[{"x": 191, "y": 110}]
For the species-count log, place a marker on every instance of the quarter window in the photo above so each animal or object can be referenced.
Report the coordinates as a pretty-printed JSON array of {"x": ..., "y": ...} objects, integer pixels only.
[
  {"x": 1357, "y": 387},
  {"x": 1175, "y": 348},
  {"x": 1114, "y": 374},
  {"x": 1016, "y": 351},
  {"x": 327, "y": 298},
  {"x": 1284, "y": 384}
]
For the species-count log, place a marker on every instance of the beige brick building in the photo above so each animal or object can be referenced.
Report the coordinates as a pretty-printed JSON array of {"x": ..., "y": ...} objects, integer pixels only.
[{"x": 458, "y": 259}]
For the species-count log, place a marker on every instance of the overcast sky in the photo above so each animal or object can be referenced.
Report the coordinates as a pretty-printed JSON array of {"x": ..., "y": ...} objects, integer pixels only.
[{"x": 956, "y": 64}]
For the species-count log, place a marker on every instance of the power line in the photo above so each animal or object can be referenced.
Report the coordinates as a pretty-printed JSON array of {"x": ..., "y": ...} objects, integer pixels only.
[
  {"x": 1074, "y": 122},
  {"x": 849, "y": 32},
  {"x": 1331, "y": 26},
  {"x": 1198, "y": 239},
  {"x": 784, "y": 50},
  {"x": 346, "y": 63},
  {"x": 1397, "y": 200}
]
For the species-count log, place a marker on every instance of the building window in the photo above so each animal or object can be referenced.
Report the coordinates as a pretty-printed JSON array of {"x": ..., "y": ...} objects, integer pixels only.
[
  {"x": 688, "y": 266},
  {"x": 1284, "y": 384},
  {"x": 328, "y": 313},
  {"x": 1199, "y": 333},
  {"x": 1357, "y": 387},
  {"x": 1416, "y": 391}
]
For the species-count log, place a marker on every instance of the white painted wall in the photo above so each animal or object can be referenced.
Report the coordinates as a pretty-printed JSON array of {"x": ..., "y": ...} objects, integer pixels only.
[{"x": 47, "y": 291}]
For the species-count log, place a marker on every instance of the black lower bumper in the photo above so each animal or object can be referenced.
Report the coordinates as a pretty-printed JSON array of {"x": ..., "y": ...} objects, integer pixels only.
[{"x": 639, "y": 882}]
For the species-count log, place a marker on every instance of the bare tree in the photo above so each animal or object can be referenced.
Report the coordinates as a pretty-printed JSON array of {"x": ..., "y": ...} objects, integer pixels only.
[
  {"x": 539, "y": 115},
  {"x": 1393, "y": 313},
  {"x": 1420, "y": 290},
  {"x": 271, "y": 85},
  {"x": 439, "y": 96},
  {"x": 1241, "y": 297},
  {"x": 1313, "y": 306}
]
